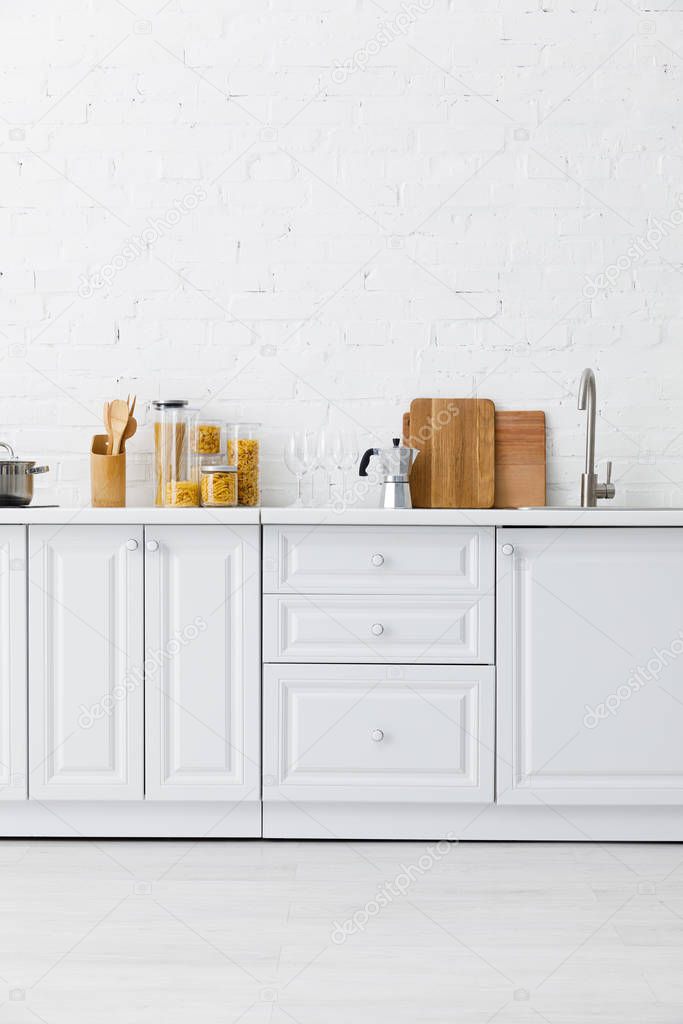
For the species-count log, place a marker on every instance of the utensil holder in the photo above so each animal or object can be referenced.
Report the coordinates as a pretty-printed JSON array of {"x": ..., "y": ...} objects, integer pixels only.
[{"x": 107, "y": 475}]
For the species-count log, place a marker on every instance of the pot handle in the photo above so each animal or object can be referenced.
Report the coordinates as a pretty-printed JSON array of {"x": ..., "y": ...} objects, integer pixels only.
[
  {"x": 365, "y": 461},
  {"x": 8, "y": 448},
  {"x": 37, "y": 469}
]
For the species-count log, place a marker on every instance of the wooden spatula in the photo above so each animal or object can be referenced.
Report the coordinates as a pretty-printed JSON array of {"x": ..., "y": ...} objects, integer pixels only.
[
  {"x": 118, "y": 417},
  {"x": 128, "y": 432},
  {"x": 107, "y": 425}
]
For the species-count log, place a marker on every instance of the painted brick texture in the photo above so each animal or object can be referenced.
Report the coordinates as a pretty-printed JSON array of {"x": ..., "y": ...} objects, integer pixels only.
[{"x": 311, "y": 211}]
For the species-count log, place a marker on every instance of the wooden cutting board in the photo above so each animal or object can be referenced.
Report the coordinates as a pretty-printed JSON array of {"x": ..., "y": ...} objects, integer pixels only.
[
  {"x": 456, "y": 464},
  {"x": 520, "y": 459}
]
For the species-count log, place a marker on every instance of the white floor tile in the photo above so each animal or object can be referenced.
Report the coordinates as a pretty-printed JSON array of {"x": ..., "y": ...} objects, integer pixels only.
[{"x": 268, "y": 932}]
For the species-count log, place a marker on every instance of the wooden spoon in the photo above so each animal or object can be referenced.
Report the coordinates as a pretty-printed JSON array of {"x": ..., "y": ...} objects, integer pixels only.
[
  {"x": 118, "y": 417},
  {"x": 128, "y": 432},
  {"x": 107, "y": 426}
]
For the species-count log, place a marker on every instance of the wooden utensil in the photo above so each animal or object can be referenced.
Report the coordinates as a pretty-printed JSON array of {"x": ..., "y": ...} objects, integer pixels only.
[
  {"x": 118, "y": 417},
  {"x": 107, "y": 423},
  {"x": 131, "y": 427},
  {"x": 456, "y": 464},
  {"x": 520, "y": 459}
]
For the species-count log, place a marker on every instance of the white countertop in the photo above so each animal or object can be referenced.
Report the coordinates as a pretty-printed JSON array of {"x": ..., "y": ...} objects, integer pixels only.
[
  {"x": 350, "y": 517},
  {"x": 474, "y": 517},
  {"x": 144, "y": 516}
]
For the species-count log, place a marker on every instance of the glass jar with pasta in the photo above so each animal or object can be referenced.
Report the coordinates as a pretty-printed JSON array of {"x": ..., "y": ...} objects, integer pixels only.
[
  {"x": 207, "y": 437},
  {"x": 218, "y": 486},
  {"x": 175, "y": 479},
  {"x": 244, "y": 451}
]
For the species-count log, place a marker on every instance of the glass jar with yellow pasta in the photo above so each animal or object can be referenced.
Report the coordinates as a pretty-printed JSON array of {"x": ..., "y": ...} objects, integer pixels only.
[
  {"x": 218, "y": 486},
  {"x": 175, "y": 479},
  {"x": 182, "y": 494},
  {"x": 207, "y": 437},
  {"x": 244, "y": 450}
]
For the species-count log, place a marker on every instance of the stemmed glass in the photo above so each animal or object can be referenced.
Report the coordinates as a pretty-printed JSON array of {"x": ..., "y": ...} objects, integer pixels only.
[
  {"x": 299, "y": 455},
  {"x": 349, "y": 453},
  {"x": 329, "y": 456}
]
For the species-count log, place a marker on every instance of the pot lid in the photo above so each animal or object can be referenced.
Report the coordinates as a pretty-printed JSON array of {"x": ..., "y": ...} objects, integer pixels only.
[{"x": 12, "y": 461}]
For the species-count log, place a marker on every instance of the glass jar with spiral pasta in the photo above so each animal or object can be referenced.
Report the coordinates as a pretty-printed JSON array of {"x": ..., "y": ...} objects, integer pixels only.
[
  {"x": 207, "y": 437},
  {"x": 244, "y": 451},
  {"x": 218, "y": 486}
]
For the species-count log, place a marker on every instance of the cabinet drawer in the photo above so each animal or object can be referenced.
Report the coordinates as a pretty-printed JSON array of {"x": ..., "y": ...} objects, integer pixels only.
[
  {"x": 373, "y": 734},
  {"x": 378, "y": 559},
  {"x": 377, "y": 628}
]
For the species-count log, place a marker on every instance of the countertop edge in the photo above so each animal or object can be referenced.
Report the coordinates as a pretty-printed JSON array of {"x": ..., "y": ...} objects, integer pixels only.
[
  {"x": 146, "y": 516},
  {"x": 132, "y": 516},
  {"x": 472, "y": 517}
]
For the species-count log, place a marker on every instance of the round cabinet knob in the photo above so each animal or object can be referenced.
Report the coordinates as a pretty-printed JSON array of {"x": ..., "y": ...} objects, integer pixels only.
[
  {"x": 377, "y": 629},
  {"x": 377, "y": 560},
  {"x": 132, "y": 544},
  {"x": 152, "y": 545},
  {"x": 377, "y": 735},
  {"x": 507, "y": 549}
]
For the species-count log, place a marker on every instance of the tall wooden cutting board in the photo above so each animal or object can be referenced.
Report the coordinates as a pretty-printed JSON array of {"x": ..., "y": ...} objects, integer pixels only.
[
  {"x": 456, "y": 464},
  {"x": 520, "y": 459}
]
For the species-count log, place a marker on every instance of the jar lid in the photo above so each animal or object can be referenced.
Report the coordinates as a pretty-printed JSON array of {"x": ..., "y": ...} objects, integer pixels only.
[
  {"x": 219, "y": 469},
  {"x": 169, "y": 403}
]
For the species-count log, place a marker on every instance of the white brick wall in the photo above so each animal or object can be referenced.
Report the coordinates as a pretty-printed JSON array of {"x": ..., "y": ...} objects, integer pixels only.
[{"x": 399, "y": 199}]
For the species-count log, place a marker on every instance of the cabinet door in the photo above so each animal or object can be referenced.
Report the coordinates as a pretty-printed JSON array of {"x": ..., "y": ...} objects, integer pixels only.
[
  {"x": 85, "y": 663},
  {"x": 12, "y": 662},
  {"x": 380, "y": 734},
  {"x": 590, "y": 666},
  {"x": 202, "y": 627}
]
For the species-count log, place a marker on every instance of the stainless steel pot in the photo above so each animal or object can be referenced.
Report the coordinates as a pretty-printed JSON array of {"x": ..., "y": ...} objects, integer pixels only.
[{"x": 16, "y": 478}]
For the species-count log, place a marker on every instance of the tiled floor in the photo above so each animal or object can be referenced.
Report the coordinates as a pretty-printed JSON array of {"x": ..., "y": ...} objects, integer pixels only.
[{"x": 330, "y": 933}]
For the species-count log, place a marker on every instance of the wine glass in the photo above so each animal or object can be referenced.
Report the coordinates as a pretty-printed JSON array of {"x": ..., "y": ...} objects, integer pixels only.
[
  {"x": 329, "y": 456},
  {"x": 298, "y": 458},
  {"x": 349, "y": 456},
  {"x": 309, "y": 454}
]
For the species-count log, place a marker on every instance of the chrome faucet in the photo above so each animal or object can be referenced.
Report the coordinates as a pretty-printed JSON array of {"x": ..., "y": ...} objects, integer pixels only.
[{"x": 591, "y": 490}]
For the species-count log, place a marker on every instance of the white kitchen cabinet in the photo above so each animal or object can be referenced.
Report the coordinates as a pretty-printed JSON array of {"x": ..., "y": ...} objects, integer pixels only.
[
  {"x": 12, "y": 663},
  {"x": 409, "y": 560},
  {"x": 590, "y": 666},
  {"x": 85, "y": 662},
  {"x": 202, "y": 630},
  {"x": 382, "y": 734},
  {"x": 379, "y": 628}
]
